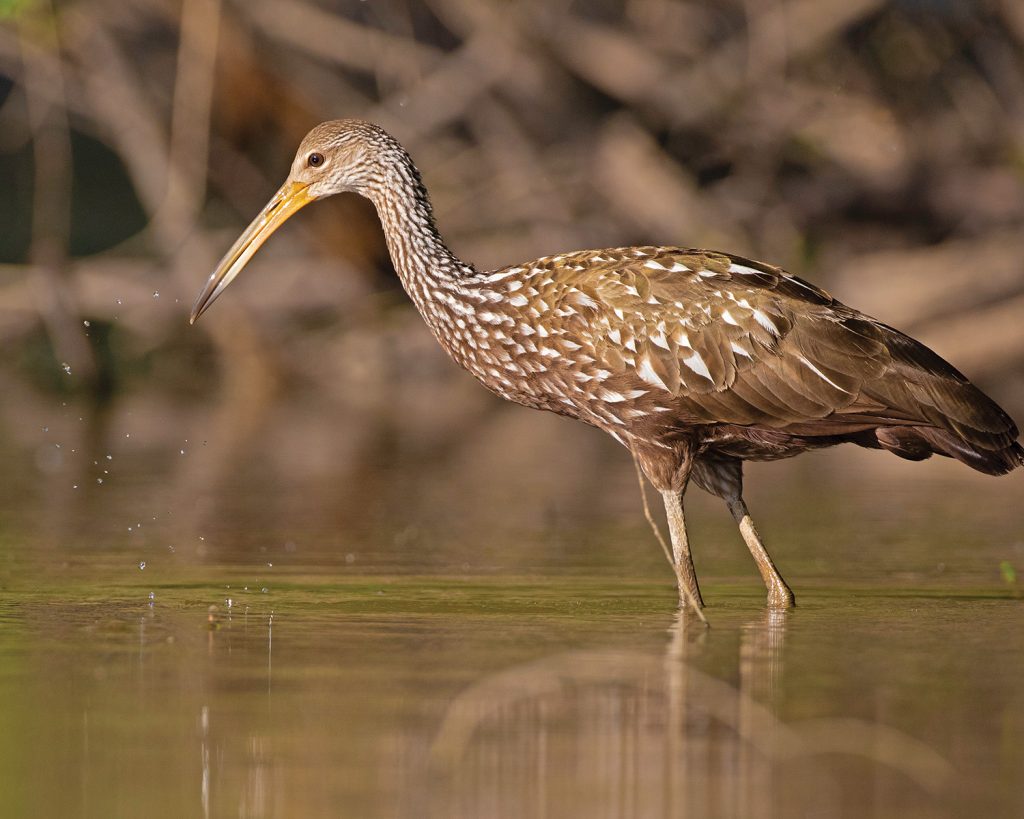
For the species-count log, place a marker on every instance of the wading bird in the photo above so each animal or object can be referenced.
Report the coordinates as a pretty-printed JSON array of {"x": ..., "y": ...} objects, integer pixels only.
[{"x": 694, "y": 360}]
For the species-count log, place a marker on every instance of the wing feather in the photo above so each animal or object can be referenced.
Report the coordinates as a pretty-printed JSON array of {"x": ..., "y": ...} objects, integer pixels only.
[{"x": 710, "y": 338}]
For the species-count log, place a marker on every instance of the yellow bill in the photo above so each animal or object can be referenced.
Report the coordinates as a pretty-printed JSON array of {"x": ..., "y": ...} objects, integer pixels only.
[{"x": 291, "y": 198}]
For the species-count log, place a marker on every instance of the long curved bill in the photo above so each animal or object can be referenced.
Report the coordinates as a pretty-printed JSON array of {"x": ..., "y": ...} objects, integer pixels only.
[{"x": 292, "y": 197}]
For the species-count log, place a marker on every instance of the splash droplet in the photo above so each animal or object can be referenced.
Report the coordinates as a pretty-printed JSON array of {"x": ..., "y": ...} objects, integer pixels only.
[
  {"x": 142, "y": 565},
  {"x": 66, "y": 367}
]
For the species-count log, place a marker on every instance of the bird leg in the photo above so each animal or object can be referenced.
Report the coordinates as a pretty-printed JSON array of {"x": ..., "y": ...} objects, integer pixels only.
[
  {"x": 685, "y": 597},
  {"x": 779, "y": 594},
  {"x": 686, "y": 577},
  {"x": 723, "y": 477}
]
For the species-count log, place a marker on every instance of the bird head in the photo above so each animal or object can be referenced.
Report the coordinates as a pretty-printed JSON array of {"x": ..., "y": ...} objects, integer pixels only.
[{"x": 335, "y": 157}]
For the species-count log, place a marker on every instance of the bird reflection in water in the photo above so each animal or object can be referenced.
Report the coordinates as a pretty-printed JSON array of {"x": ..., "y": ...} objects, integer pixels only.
[
  {"x": 630, "y": 733},
  {"x": 694, "y": 360}
]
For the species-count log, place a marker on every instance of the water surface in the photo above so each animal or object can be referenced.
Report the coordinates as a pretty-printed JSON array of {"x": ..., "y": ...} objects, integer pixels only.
[{"x": 241, "y": 636}]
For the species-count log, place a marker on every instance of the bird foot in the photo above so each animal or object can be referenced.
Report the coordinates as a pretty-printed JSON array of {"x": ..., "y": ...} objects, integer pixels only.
[
  {"x": 781, "y": 597},
  {"x": 689, "y": 595}
]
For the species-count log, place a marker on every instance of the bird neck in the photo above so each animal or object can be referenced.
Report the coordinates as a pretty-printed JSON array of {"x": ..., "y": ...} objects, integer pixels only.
[{"x": 425, "y": 265}]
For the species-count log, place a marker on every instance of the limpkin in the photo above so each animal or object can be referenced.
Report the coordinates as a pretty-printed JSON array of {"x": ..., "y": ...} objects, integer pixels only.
[{"x": 692, "y": 359}]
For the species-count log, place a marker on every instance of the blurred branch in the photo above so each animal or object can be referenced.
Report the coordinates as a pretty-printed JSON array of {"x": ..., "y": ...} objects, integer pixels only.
[
  {"x": 344, "y": 42},
  {"x": 650, "y": 189},
  {"x": 190, "y": 114},
  {"x": 51, "y": 214},
  {"x": 121, "y": 107},
  {"x": 445, "y": 93},
  {"x": 619, "y": 64}
]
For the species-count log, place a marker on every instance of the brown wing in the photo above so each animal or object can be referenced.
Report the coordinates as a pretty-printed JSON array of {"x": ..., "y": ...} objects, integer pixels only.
[
  {"x": 730, "y": 340},
  {"x": 721, "y": 339}
]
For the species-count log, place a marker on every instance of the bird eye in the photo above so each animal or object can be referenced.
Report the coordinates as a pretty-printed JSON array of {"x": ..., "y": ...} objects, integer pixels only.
[{"x": 315, "y": 160}]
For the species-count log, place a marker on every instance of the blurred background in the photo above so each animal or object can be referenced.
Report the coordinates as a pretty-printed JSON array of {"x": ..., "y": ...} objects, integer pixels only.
[{"x": 875, "y": 148}]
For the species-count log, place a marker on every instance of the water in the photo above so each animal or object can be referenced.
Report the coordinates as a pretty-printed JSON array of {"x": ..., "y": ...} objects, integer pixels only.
[{"x": 398, "y": 626}]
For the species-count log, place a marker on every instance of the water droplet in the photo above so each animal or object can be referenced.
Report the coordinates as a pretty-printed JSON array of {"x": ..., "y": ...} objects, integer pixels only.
[
  {"x": 87, "y": 323},
  {"x": 270, "y": 565},
  {"x": 229, "y": 602},
  {"x": 66, "y": 367},
  {"x": 152, "y": 595},
  {"x": 120, "y": 302},
  {"x": 264, "y": 590},
  {"x": 46, "y": 429},
  {"x": 181, "y": 451},
  {"x": 142, "y": 565},
  {"x": 99, "y": 480},
  {"x": 156, "y": 294},
  {"x": 74, "y": 486},
  {"x": 110, "y": 457}
]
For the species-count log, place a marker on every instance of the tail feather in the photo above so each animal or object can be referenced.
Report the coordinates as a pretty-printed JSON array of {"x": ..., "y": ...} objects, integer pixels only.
[{"x": 960, "y": 421}]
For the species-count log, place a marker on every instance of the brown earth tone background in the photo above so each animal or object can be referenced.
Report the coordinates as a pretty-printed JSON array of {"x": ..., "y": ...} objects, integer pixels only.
[{"x": 875, "y": 148}]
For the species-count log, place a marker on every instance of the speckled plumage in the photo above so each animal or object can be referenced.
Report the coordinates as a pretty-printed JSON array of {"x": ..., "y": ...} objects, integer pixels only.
[
  {"x": 694, "y": 360},
  {"x": 665, "y": 344}
]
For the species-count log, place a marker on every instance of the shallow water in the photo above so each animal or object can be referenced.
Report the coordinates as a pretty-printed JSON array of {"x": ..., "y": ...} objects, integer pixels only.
[{"x": 414, "y": 640}]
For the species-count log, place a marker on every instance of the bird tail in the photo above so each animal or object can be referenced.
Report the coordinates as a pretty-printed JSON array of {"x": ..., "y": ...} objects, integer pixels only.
[
  {"x": 960, "y": 421},
  {"x": 989, "y": 461}
]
